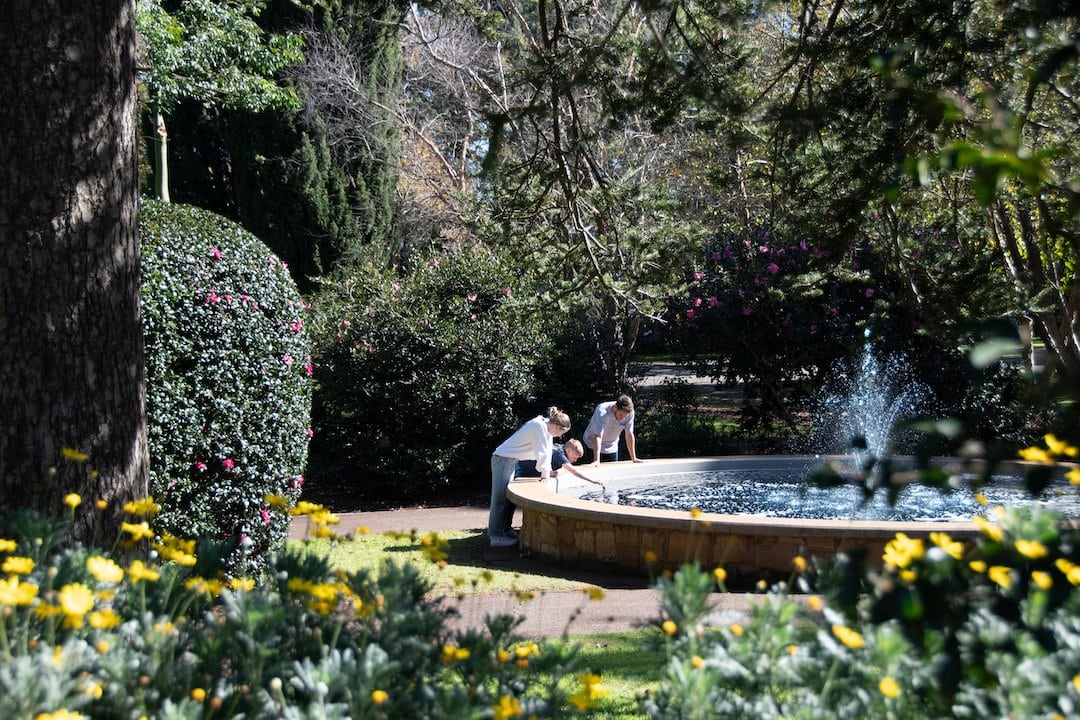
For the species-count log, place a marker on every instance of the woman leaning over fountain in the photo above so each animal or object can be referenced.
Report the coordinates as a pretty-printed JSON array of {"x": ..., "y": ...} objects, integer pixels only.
[{"x": 531, "y": 441}]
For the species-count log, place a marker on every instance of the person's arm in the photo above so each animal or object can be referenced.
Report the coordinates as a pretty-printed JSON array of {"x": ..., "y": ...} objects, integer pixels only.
[
  {"x": 595, "y": 430},
  {"x": 542, "y": 447},
  {"x": 570, "y": 469},
  {"x": 631, "y": 445},
  {"x": 596, "y": 451}
]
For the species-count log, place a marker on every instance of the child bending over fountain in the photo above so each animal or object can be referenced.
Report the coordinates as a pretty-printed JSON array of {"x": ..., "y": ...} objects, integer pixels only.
[{"x": 562, "y": 456}]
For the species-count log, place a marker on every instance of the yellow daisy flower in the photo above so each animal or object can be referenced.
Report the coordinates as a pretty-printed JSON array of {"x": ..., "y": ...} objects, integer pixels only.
[
  {"x": 104, "y": 569},
  {"x": 849, "y": 637}
]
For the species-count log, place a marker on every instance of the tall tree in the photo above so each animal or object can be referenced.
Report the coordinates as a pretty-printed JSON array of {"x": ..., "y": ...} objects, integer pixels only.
[
  {"x": 315, "y": 183},
  {"x": 71, "y": 349},
  {"x": 213, "y": 53},
  {"x": 849, "y": 94},
  {"x": 522, "y": 119}
]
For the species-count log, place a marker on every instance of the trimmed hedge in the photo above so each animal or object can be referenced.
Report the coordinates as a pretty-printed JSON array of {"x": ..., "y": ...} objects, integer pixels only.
[{"x": 228, "y": 377}]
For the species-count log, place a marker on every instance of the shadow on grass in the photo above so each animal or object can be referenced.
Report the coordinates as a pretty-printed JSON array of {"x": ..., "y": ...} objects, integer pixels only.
[{"x": 472, "y": 551}]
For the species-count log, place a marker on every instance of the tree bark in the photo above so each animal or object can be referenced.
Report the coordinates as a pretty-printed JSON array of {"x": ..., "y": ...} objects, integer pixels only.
[{"x": 71, "y": 348}]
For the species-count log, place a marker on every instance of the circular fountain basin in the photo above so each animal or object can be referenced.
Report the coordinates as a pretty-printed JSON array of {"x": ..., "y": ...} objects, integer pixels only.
[{"x": 560, "y": 527}]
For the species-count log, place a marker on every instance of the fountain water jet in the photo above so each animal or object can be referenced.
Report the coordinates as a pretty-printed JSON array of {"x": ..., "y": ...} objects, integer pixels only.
[{"x": 862, "y": 417}]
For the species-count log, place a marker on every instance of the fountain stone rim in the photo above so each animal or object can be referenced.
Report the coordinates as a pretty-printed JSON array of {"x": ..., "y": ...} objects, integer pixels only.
[{"x": 567, "y": 530}]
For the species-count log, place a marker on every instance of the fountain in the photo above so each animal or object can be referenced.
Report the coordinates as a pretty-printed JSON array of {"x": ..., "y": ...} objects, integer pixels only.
[{"x": 573, "y": 525}]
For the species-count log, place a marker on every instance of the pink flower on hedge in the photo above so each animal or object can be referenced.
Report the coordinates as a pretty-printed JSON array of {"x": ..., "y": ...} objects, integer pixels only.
[
  {"x": 713, "y": 302},
  {"x": 296, "y": 325},
  {"x": 216, "y": 253},
  {"x": 213, "y": 297},
  {"x": 471, "y": 298},
  {"x": 697, "y": 302},
  {"x": 346, "y": 323},
  {"x": 506, "y": 291},
  {"x": 748, "y": 310},
  {"x": 716, "y": 255},
  {"x": 773, "y": 268},
  {"x": 271, "y": 260},
  {"x": 309, "y": 369},
  {"x": 763, "y": 249},
  {"x": 200, "y": 466},
  {"x": 297, "y": 482},
  {"x": 394, "y": 286},
  {"x": 690, "y": 313},
  {"x": 310, "y": 432},
  {"x": 265, "y": 514},
  {"x": 869, "y": 292},
  {"x": 228, "y": 298},
  {"x": 698, "y": 276},
  {"x": 287, "y": 359},
  {"x": 228, "y": 463}
]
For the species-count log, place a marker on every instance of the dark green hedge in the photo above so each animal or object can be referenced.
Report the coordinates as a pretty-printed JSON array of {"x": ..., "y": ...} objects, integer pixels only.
[
  {"x": 228, "y": 375},
  {"x": 422, "y": 372}
]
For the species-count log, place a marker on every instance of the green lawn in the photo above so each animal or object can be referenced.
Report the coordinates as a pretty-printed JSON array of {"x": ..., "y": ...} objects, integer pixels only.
[
  {"x": 627, "y": 672},
  {"x": 464, "y": 569}
]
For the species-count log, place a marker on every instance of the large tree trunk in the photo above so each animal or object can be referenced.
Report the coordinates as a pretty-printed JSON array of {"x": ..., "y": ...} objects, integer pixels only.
[{"x": 71, "y": 349}]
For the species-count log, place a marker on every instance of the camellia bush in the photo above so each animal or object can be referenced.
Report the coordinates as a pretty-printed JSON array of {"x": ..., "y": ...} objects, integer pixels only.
[
  {"x": 771, "y": 312},
  {"x": 228, "y": 380},
  {"x": 422, "y": 372},
  {"x": 155, "y": 628},
  {"x": 944, "y": 629}
]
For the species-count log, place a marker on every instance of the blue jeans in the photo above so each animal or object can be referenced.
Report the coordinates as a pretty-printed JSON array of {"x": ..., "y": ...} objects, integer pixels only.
[{"x": 501, "y": 512}]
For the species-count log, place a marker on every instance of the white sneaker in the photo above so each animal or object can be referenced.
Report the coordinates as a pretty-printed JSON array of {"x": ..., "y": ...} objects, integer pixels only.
[{"x": 503, "y": 541}]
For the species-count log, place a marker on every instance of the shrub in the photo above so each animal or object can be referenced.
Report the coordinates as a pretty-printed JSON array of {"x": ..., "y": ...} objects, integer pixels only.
[
  {"x": 421, "y": 372},
  {"x": 86, "y": 633},
  {"x": 228, "y": 368},
  {"x": 768, "y": 311}
]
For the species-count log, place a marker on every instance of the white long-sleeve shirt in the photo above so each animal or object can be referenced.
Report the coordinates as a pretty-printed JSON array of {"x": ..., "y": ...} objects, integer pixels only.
[{"x": 531, "y": 441}]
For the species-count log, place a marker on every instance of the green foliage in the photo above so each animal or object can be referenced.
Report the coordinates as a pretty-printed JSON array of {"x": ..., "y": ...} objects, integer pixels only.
[
  {"x": 228, "y": 366},
  {"x": 213, "y": 52},
  {"x": 422, "y": 372},
  {"x": 85, "y": 633},
  {"x": 287, "y": 188},
  {"x": 945, "y": 629},
  {"x": 315, "y": 186}
]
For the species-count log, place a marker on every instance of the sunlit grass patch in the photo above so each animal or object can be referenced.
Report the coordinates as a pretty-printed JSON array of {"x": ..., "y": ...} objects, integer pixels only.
[
  {"x": 625, "y": 672},
  {"x": 463, "y": 568}
]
